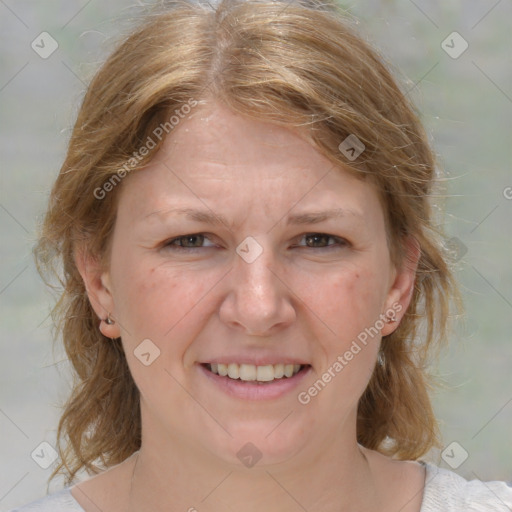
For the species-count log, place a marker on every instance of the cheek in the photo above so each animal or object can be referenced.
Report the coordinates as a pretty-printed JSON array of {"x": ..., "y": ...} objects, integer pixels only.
[
  {"x": 161, "y": 302},
  {"x": 141, "y": 298},
  {"x": 350, "y": 308},
  {"x": 347, "y": 301},
  {"x": 163, "y": 305}
]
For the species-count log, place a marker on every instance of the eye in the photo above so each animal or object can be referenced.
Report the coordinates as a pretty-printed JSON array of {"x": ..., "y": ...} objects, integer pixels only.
[
  {"x": 183, "y": 242},
  {"x": 321, "y": 241},
  {"x": 194, "y": 241}
]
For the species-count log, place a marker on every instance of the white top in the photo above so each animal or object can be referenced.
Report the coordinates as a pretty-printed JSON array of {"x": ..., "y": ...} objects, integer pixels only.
[{"x": 445, "y": 491}]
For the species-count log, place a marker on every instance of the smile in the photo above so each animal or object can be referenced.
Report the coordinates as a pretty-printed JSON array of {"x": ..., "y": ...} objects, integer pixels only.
[
  {"x": 251, "y": 372},
  {"x": 255, "y": 382}
]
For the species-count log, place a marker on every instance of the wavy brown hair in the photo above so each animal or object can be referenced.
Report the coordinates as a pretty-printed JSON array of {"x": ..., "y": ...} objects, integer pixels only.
[{"x": 296, "y": 64}]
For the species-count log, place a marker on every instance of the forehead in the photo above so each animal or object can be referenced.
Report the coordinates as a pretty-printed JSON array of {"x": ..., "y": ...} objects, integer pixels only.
[
  {"x": 217, "y": 135},
  {"x": 219, "y": 158}
]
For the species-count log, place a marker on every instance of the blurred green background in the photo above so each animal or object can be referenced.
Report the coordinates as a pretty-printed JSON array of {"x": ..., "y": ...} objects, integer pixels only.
[{"x": 466, "y": 106}]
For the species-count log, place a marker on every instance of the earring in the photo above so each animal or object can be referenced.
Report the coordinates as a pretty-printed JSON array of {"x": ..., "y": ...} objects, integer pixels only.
[
  {"x": 391, "y": 318},
  {"x": 109, "y": 320},
  {"x": 380, "y": 359}
]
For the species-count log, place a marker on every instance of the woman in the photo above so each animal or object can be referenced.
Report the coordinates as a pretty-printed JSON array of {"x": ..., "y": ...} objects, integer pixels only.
[{"x": 253, "y": 285}]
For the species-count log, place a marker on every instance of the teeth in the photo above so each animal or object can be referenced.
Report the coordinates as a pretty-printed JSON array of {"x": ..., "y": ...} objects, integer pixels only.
[
  {"x": 250, "y": 372},
  {"x": 233, "y": 371},
  {"x": 278, "y": 371},
  {"x": 265, "y": 373},
  {"x": 247, "y": 371}
]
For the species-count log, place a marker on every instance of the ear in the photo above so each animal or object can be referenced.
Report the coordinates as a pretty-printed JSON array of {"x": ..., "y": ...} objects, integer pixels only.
[
  {"x": 97, "y": 284},
  {"x": 402, "y": 288}
]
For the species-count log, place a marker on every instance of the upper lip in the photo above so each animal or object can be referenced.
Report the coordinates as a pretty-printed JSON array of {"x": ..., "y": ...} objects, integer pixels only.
[{"x": 256, "y": 361}]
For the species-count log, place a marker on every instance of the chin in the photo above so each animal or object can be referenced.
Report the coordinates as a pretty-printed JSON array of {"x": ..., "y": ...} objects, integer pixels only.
[{"x": 265, "y": 444}]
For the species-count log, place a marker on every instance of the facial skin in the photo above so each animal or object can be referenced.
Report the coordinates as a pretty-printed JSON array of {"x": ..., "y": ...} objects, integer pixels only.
[{"x": 207, "y": 303}]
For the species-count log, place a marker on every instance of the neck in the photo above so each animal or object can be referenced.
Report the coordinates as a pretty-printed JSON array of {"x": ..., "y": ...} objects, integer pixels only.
[{"x": 179, "y": 477}]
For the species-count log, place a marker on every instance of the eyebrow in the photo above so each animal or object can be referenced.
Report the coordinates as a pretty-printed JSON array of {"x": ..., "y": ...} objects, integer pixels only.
[{"x": 216, "y": 219}]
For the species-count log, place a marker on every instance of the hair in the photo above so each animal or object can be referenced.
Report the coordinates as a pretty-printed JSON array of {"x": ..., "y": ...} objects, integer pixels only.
[{"x": 300, "y": 65}]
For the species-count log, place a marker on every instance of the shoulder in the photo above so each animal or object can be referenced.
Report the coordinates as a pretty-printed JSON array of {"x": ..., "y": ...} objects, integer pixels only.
[
  {"x": 61, "y": 501},
  {"x": 448, "y": 492}
]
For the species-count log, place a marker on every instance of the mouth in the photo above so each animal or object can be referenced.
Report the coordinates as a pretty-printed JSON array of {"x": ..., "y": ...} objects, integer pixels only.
[
  {"x": 254, "y": 373},
  {"x": 255, "y": 382}
]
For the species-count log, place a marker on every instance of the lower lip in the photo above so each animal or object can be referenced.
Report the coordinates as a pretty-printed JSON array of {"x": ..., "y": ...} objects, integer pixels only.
[{"x": 253, "y": 390}]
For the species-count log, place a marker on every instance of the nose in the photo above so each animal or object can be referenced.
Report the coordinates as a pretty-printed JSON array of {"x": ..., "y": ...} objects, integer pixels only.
[{"x": 258, "y": 301}]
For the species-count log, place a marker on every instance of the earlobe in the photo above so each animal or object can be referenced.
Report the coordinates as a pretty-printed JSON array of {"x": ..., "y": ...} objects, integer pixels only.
[
  {"x": 97, "y": 284},
  {"x": 402, "y": 289}
]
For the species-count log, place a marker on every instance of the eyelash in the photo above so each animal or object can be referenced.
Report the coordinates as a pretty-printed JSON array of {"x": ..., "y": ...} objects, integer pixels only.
[{"x": 341, "y": 242}]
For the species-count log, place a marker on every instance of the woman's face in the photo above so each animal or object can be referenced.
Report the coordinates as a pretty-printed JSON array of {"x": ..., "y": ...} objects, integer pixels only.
[{"x": 272, "y": 283}]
